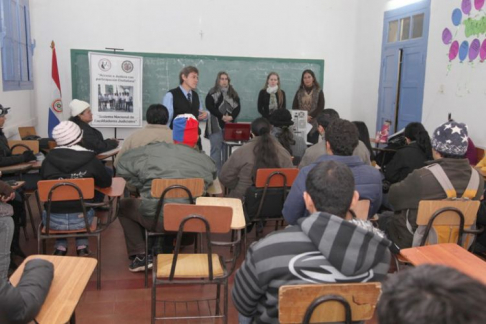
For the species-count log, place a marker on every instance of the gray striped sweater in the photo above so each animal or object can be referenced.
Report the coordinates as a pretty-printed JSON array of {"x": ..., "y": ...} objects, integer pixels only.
[{"x": 322, "y": 248}]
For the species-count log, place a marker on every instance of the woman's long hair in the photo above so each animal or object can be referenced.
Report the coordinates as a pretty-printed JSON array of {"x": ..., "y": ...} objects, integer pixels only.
[
  {"x": 286, "y": 138},
  {"x": 279, "y": 91},
  {"x": 315, "y": 84},
  {"x": 231, "y": 91},
  {"x": 265, "y": 150},
  {"x": 364, "y": 136},
  {"x": 416, "y": 132}
]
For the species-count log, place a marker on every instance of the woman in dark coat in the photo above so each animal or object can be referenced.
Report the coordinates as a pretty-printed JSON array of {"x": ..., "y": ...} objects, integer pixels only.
[
  {"x": 271, "y": 97},
  {"x": 410, "y": 157}
]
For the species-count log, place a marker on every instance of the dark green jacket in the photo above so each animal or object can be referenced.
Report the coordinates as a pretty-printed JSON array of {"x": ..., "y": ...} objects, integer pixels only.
[
  {"x": 163, "y": 161},
  {"x": 422, "y": 185}
]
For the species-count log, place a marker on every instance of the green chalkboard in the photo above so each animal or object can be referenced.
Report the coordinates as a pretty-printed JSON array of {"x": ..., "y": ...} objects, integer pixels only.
[{"x": 161, "y": 73}]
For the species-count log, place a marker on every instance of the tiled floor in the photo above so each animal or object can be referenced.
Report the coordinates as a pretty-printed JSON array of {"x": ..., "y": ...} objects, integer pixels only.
[{"x": 123, "y": 298}]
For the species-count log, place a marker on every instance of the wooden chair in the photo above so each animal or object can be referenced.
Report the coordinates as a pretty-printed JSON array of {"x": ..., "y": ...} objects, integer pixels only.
[
  {"x": 27, "y": 131},
  {"x": 362, "y": 209},
  {"x": 70, "y": 190},
  {"x": 326, "y": 303},
  {"x": 450, "y": 219},
  {"x": 18, "y": 146},
  {"x": 170, "y": 189},
  {"x": 280, "y": 180},
  {"x": 198, "y": 268}
]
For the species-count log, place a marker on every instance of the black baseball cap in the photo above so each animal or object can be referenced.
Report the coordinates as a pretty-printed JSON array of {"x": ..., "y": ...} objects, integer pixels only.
[{"x": 3, "y": 110}]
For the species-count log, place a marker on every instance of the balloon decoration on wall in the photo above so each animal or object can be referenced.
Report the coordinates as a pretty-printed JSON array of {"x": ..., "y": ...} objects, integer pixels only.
[{"x": 470, "y": 19}]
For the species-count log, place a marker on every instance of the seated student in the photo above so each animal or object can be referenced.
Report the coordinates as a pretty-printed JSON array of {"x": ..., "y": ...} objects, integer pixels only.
[
  {"x": 432, "y": 294},
  {"x": 410, "y": 157},
  {"x": 281, "y": 121},
  {"x": 21, "y": 304},
  {"x": 319, "y": 149},
  {"x": 341, "y": 140},
  {"x": 69, "y": 160},
  {"x": 364, "y": 136},
  {"x": 449, "y": 145},
  {"x": 322, "y": 248},
  {"x": 161, "y": 160},
  {"x": 156, "y": 130},
  {"x": 92, "y": 138},
  {"x": 263, "y": 151},
  {"x": 6, "y": 229}
]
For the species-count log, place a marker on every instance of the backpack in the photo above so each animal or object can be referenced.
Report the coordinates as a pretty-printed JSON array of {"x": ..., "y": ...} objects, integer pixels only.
[{"x": 444, "y": 233}]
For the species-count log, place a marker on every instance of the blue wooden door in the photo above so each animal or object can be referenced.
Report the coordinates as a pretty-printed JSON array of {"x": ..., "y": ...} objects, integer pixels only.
[{"x": 402, "y": 74}]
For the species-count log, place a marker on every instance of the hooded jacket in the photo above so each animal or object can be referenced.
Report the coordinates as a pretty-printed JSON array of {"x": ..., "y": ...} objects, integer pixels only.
[
  {"x": 322, "y": 248},
  {"x": 72, "y": 163},
  {"x": 163, "y": 161},
  {"x": 367, "y": 180}
]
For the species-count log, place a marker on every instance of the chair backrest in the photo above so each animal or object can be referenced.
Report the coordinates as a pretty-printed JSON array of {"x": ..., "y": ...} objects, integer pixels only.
[
  {"x": 218, "y": 217},
  {"x": 195, "y": 186},
  {"x": 362, "y": 209},
  {"x": 27, "y": 131},
  {"x": 446, "y": 223},
  {"x": 85, "y": 185},
  {"x": 479, "y": 153},
  {"x": 277, "y": 177},
  {"x": 18, "y": 147},
  {"x": 295, "y": 300}
]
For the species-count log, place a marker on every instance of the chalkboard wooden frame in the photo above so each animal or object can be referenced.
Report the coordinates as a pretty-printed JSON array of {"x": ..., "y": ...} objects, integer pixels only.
[{"x": 155, "y": 85}]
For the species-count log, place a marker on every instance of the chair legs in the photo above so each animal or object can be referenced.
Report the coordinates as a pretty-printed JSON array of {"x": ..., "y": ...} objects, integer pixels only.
[
  {"x": 146, "y": 258},
  {"x": 154, "y": 290},
  {"x": 98, "y": 268}
]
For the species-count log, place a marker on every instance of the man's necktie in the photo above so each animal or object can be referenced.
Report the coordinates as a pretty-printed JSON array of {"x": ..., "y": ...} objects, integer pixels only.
[{"x": 189, "y": 97}]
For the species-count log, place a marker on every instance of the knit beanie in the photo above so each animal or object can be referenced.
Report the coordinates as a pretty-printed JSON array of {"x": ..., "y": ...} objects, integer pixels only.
[
  {"x": 78, "y": 106},
  {"x": 67, "y": 133},
  {"x": 185, "y": 130},
  {"x": 281, "y": 118},
  {"x": 3, "y": 110},
  {"x": 450, "y": 138}
]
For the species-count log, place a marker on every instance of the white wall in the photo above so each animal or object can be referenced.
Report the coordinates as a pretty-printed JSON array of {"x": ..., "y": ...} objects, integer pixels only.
[
  {"x": 457, "y": 88},
  {"x": 345, "y": 33},
  {"x": 22, "y": 112}
]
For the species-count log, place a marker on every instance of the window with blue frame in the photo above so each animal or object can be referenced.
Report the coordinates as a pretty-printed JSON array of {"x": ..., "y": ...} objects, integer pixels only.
[{"x": 17, "y": 48}]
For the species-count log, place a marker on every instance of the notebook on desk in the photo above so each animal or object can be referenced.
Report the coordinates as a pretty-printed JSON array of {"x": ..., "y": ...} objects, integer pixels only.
[{"x": 236, "y": 132}]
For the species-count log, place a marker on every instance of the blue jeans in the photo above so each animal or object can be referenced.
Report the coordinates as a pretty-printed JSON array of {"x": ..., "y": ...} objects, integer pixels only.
[
  {"x": 66, "y": 222},
  {"x": 216, "y": 141},
  {"x": 6, "y": 235}
]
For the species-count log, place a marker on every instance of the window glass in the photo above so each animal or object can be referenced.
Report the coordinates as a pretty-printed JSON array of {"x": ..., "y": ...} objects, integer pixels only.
[
  {"x": 392, "y": 31},
  {"x": 418, "y": 26},
  {"x": 405, "y": 28}
]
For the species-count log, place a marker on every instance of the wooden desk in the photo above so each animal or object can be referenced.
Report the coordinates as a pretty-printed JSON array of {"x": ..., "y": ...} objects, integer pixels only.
[
  {"x": 16, "y": 168},
  {"x": 116, "y": 189},
  {"x": 107, "y": 154},
  {"x": 238, "y": 220},
  {"x": 448, "y": 254},
  {"x": 71, "y": 275},
  {"x": 215, "y": 188}
]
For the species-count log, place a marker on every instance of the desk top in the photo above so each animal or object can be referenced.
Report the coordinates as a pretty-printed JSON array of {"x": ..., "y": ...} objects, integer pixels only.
[
  {"x": 238, "y": 220},
  {"x": 116, "y": 189},
  {"x": 215, "y": 188},
  {"x": 71, "y": 275},
  {"x": 448, "y": 254},
  {"x": 108, "y": 154},
  {"x": 21, "y": 167}
]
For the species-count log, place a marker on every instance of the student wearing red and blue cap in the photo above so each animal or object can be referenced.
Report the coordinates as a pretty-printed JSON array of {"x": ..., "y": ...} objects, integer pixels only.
[{"x": 139, "y": 166}]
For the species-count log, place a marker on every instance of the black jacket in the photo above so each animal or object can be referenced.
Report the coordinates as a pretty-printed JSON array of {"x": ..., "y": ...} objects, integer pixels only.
[
  {"x": 264, "y": 102},
  {"x": 68, "y": 163},
  {"x": 22, "y": 303},
  {"x": 213, "y": 108},
  {"x": 93, "y": 139},
  {"x": 6, "y": 157},
  {"x": 405, "y": 160}
]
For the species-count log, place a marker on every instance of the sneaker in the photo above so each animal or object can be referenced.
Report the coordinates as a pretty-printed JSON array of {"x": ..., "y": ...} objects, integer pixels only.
[
  {"x": 82, "y": 252},
  {"x": 60, "y": 252},
  {"x": 138, "y": 264}
]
